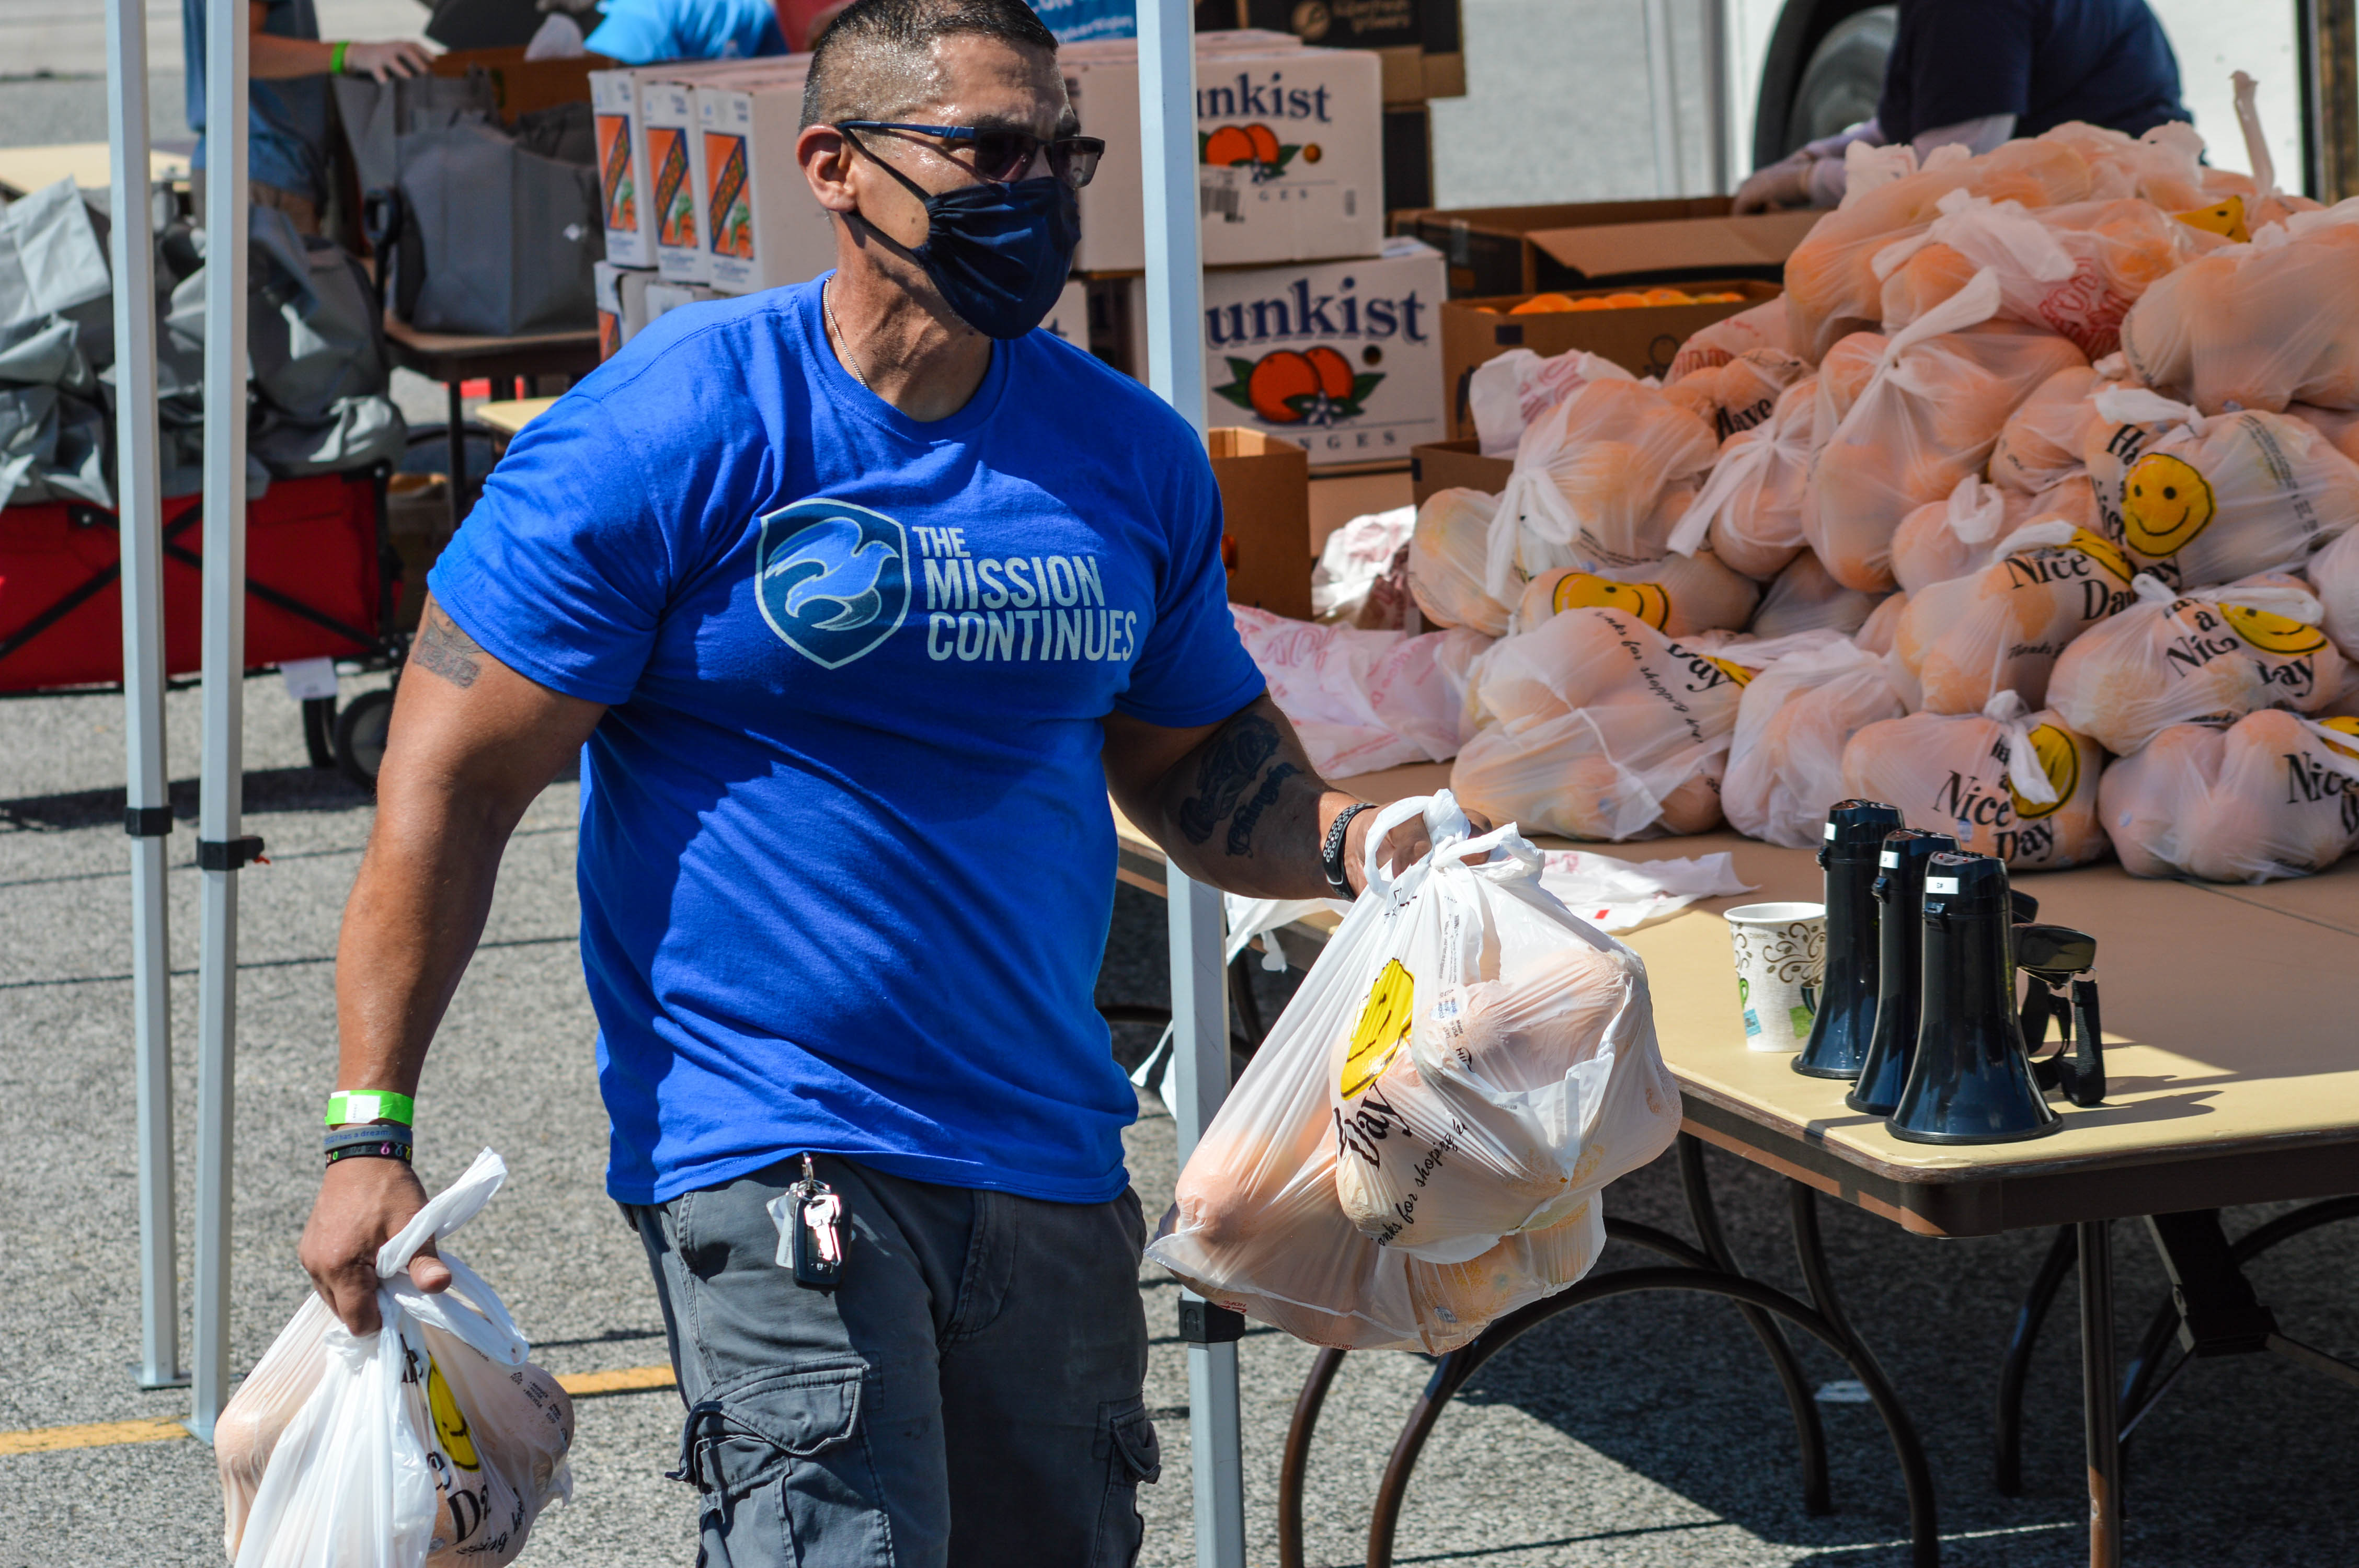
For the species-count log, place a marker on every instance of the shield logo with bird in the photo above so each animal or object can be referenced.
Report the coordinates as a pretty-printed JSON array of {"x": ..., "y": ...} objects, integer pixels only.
[{"x": 833, "y": 578}]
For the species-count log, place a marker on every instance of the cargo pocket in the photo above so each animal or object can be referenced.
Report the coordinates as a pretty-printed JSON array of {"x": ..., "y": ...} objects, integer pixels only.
[
  {"x": 782, "y": 1461},
  {"x": 1126, "y": 1443}
]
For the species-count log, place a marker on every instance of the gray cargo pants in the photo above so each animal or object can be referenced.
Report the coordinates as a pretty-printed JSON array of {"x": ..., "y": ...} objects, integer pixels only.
[{"x": 969, "y": 1396}]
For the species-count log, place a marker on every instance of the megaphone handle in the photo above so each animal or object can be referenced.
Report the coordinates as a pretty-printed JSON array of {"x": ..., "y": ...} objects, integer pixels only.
[
  {"x": 2084, "y": 1076},
  {"x": 2037, "y": 1004}
]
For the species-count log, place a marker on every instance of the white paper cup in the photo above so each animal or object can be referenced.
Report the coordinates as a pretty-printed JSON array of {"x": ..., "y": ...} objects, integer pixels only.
[{"x": 1781, "y": 963}]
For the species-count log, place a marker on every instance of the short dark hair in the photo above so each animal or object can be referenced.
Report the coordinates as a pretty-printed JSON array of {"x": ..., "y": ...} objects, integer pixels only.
[{"x": 871, "y": 41}]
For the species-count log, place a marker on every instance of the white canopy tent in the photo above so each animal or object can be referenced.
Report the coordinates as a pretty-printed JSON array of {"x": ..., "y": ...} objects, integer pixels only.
[{"x": 219, "y": 849}]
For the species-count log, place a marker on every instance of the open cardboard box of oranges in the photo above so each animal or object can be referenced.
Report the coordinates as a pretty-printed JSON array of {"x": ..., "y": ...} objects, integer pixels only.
[{"x": 1637, "y": 328}]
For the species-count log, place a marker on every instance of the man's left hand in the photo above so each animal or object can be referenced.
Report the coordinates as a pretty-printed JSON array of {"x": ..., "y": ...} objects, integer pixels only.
[{"x": 1406, "y": 844}]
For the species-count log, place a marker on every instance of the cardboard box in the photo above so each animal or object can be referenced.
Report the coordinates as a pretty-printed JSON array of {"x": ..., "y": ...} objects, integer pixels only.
[
  {"x": 621, "y": 168},
  {"x": 1525, "y": 250},
  {"x": 622, "y": 304},
  {"x": 1455, "y": 465},
  {"x": 1641, "y": 338},
  {"x": 1290, "y": 144},
  {"x": 663, "y": 297},
  {"x": 668, "y": 110},
  {"x": 1264, "y": 483},
  {"x": 519, "y": 85},
  {"x": 1343, "y": 357},
  {"x": 1431, "y": 25},
  {"x": 762, "y": 226}
]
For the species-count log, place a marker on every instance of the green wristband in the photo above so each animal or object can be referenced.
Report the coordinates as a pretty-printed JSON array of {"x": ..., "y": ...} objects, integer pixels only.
[
  {"x": 346, "y": 1106},
  {"x": 336, "y": 60}
]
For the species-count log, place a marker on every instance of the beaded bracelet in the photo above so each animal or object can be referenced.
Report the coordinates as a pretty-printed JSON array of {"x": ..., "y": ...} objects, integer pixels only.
[{"x": 386, "y": 1150}]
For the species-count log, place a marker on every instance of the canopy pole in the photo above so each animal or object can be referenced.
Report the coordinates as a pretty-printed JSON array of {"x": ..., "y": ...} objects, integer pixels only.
[
  {"x": 148, "y": 814},
  {"x": 219, "y": 853},
  {"x": 1199, "y": 999},
  {"x": 1717, "y": 94},
  {"x": 1663, "y": 99}
]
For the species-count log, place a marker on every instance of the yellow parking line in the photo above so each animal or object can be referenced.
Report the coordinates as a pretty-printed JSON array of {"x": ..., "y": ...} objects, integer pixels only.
[
  {"x": 49, "y": 1439},
  {"x": 164, "y": 1429},
  {"x": 629, "y": 1381}
]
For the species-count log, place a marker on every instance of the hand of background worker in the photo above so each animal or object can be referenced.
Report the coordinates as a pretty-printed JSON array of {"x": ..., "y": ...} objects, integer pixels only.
[
  {"x": 395, "y": 57},
  {"x": 1406, "y": 845},
  {"x": 364, "y": 1203},
  {"x": 1785, "y": 183}
]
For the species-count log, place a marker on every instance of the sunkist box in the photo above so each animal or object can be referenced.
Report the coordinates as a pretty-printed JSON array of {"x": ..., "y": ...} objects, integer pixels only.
[
  {"x": 1342, "y": 357},
  {"x": 622, "y": 167},
  {"x": 1641, "y": 338},
  {"x": 1289, "y": 151},
  {"x": 1523, "y": 250},
  {"x": 671, "y": 184}
]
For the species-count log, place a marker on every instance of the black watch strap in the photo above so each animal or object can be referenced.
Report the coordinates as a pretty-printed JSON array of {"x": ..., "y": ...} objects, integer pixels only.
[{"x": 1330, "y": 854}]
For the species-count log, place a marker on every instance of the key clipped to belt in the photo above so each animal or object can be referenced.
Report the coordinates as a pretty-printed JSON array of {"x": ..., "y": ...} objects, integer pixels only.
[{"x": 811, "y": 1231}]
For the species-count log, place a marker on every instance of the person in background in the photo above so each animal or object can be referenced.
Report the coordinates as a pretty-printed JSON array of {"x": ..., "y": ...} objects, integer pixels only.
[
  {"x": 286, "y": 127},
  {"x": 640, "y": 32},
  {"x": 1975, "y": 73}
]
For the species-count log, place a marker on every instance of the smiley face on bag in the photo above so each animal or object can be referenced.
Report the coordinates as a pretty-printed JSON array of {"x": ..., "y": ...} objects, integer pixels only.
[
  {"x": 2165, "y": 504},
  {"x": 1586, "y": 590}
]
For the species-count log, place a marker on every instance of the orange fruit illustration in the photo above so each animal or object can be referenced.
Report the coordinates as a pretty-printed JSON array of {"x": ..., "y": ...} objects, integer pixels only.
[
  {"x": 1334, "y": 372},
  {"x": 1264, "y": 143},
  {"x": 1278, "y": 377},
  {"x": 1311, "y": 152},
  {"x": 1229, "y": 144}
]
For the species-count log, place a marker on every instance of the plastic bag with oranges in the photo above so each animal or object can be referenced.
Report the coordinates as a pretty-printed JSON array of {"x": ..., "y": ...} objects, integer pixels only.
[
  {"x": 1420, "y": 1145},
  {"x": 2199, "y": 499},
  {"x": 2274, "y": 795},
  {"x": 2002, "y": 627},
  {"x": 2005, "y": 782},
  {"x": 1785, "y": 763},
  {"x": 2211, "y": 656}
]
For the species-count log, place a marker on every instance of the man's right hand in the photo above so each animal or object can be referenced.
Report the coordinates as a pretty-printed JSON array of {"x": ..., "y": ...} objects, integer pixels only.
[
  {"x": 397, "y": 56},
  {"x": 364, "y": 1203}
]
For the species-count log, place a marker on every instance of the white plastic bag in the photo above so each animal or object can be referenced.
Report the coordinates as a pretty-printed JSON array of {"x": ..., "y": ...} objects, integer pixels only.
[
  {"x": 2201, "y": 499},
  {"x": 1462, "y": 1007},
  {"x": 1928, "y": 417},
  {"x": 2333, "y": 573},
  {"x": 1363, "y": 700},
  {"x": 2208, "y": 656},
  {"x": 2273, "y": 795},
  {"x": 1785, "y": 765},
  {"x": 1749, "y": 510},
  {"x": 2045, "y": 440},
  {"x": 2005, "y": 782},
  {"x": 1508, "y": 392},
  {"x": 2002, "y": 629},
  {"x": 1680, "y": 595},
  {"x": 1446, "y": 562},
  {"x": 1805, "y": 598},
  {"x": 1762, "y": 327},
  {"x": 1591, "y": 482},
  {"x": 1741, "y": 393},
  {"x": 1352, "y": 560},
  {"x": 432, "y": 1442},
  {"x": 2258, "y": 326}
]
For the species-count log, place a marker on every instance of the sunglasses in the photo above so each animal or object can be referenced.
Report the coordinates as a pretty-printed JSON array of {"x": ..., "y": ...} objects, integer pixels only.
[{"x": 1004, "y": 156}]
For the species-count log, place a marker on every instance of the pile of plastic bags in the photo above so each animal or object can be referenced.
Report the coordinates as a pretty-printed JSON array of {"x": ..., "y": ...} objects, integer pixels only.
[
  {"x": 1419, "y": 1144},
  {"x": 2046, "y": 459}
]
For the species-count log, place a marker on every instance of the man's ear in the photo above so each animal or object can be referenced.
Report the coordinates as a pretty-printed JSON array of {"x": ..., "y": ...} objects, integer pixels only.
[{"x": 826, "y": 156}]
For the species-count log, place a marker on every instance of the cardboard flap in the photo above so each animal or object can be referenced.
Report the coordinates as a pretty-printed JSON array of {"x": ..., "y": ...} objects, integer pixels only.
[{"x": 1610, "y": 250}]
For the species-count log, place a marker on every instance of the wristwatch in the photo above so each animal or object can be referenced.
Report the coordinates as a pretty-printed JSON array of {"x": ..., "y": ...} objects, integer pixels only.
[{"x": 1330, "y": 854}]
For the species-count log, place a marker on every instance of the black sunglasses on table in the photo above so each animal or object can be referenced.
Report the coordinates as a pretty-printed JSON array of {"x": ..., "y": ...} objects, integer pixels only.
[{"x": 1004, "y": 156}]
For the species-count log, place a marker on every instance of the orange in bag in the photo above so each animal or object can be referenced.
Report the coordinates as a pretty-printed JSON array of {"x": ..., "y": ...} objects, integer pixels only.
[
  {"x": 1594, "y": 482},
  {"x": 2006, "y": 782},
  {"x": 2258, "y": 326},
  {"x": 2272, "y": 796},
  {"x": 2002, "y": 629}
]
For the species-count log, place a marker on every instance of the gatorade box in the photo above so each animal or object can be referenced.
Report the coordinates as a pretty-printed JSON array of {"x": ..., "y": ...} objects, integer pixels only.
[
  {"x": 622, "y": 167},
  {"x": 762, "y": 226},
  {"x": 1342, "y": 357}
]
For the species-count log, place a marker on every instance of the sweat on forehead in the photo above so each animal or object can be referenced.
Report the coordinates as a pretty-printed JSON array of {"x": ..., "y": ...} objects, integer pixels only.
[{"x": 876, "y": 58}]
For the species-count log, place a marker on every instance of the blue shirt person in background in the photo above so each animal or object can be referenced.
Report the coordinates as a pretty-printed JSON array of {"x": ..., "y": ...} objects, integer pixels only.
[
  {"x": 855, "y": 602},
  {"x": 641, "y": 32},
  {"x": 287, "y": 66},
  {"x": 1976, "y": 72}
]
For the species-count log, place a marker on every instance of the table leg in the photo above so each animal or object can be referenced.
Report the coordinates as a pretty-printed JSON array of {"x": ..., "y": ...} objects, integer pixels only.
[
  {"x": 457, "y": 435},
  {"x": 2015, "y": 1366},
  {"x": 1296, "y": 1465},
  {"x": 2099, "y": 1412}
]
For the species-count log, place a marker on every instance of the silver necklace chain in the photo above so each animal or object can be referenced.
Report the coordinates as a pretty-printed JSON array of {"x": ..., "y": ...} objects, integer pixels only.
[{"x": 850, "y": 358}]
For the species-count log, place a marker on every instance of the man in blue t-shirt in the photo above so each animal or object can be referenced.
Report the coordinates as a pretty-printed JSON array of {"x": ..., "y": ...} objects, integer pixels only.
[
  {"x": 641, "y": 32},
  {"x": 1974, "y": 72},
  {"x": 855, "y": 601}
]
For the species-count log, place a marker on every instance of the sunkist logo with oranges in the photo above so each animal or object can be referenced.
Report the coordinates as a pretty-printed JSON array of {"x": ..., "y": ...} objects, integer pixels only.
[
  {"x": 1254, "y": 147},
  {"x": 1316, "y": 385}
]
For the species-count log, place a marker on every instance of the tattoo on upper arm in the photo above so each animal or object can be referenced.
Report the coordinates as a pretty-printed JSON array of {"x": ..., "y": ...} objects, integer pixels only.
[
  {"x": 446, "y": 650},
  {"x": 1231, "y": 762}
]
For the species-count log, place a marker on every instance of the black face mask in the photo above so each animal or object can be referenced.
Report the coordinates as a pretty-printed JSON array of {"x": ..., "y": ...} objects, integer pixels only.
[{"x": 998, "y": 254}]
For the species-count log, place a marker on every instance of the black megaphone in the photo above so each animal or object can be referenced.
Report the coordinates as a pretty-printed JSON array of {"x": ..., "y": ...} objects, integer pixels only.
[
  {"x": 1900, "y": 898},
  {"x": 1971, "y": 1081},
  {"x": 1853, "y": 838}
]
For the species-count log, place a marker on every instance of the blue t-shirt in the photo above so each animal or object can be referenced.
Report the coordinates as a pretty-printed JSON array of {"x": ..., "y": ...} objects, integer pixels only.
[
  {"x": 2043, "y": 61},
  {"x": 641, "y": 32},
  {"x": 846, "y": 861},
  {"x": 287, "y": 121}
]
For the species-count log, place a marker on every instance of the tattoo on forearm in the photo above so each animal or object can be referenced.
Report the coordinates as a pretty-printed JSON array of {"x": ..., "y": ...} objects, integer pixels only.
[
  {"x": 447, "y": 651},
  {"x": 1241, "y": 826},
  {"x": 1231, "y": 762}
]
